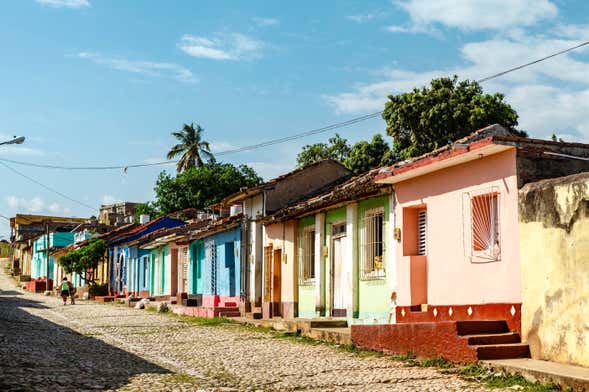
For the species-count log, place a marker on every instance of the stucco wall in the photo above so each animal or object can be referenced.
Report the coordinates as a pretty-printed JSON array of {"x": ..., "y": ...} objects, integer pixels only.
[
  {"x": 304, "y": 182},
  {"x": 282, "y": 236},
  {"x": 554, "y": 232},
  {"x": 452, "y": 278}
]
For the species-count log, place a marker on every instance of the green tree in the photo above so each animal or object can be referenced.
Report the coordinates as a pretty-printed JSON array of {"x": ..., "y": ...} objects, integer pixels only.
[
  {"x": 84, "y": 261},
  {"x": 425, "y": 119},
  {"x": 359, "y": 158},
  {"x": 192, "y": 149},
  {"x": 199, "y": 187},
  {"x": 337, "y": 149},
  {"x": 368, "y": 155}
]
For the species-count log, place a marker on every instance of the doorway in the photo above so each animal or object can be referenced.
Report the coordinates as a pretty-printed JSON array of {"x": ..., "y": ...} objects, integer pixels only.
[
  {"x": 276, "y": 283},
  {"x": 174, "y": 272},
  {"x": 340, "y": 279}
]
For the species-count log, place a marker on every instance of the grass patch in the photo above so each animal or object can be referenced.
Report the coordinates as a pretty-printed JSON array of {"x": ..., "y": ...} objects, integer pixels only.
[
  {"x": 222, "y": 375},
  {"x": 436, "y": 362},
  {"x": 202, "y": 321},
  {"x": 492, "y": 379},
  {"x": 180, "y": 378}
]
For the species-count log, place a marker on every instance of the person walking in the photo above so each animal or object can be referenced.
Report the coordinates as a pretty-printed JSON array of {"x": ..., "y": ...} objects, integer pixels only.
[{"x": 67, "y": 290}]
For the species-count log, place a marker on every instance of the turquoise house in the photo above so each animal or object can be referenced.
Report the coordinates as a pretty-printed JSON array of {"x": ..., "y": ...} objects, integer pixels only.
[
  {"x": 42, "y": 247},
  {"x": 214, "y": 264}
]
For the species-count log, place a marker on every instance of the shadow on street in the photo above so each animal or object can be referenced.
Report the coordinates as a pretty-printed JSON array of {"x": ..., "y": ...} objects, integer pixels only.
[{"x": 39, "y": 355}]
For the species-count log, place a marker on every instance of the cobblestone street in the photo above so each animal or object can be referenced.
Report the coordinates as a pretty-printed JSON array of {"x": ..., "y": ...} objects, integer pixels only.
[{"x": 47, "y": 346}]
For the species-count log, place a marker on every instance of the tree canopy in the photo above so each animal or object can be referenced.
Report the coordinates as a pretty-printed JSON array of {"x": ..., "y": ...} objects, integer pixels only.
[
  {"x": 428, "y": 118},
  {"x": 199, "y": 187},
  {"x": 192, "y": 149},
  {"x": 359, "y": 157},
  {"x": 337, "y": 149},
  {"x": 84, "y": 260}
]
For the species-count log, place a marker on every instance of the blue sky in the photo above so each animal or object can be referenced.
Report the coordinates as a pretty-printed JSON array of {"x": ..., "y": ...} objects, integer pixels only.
[{"x": 93, "y": 82}]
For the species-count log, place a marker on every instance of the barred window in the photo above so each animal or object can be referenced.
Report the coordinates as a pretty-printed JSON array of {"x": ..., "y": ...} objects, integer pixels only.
[
  {"x": 422, "y": 232},
  {"x": 485, "y": 225},
  {"x": 307, "y": 265},
  {"x": 373, "y": 245},
  {"x": 482, "y": 226}
]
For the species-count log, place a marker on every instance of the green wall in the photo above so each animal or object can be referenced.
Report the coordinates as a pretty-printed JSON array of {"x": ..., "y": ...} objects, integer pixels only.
[
  {"x": 332, "y": 216},
  {"x": 373, "y": 296},
  {"x": 306, "y": 292}
]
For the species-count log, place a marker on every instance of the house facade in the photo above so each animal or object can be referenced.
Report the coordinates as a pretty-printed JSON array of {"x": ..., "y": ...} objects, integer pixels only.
[
  {"x": 263, "y": 200},
  {"x": 123, "y": 246},
  {"x": 25, "y": 229},
  {"x": 280, "y": 270},
  {"x": 342, "y": 264},
  {"x": 214, "y": 273},
  {"x": 457, "y": 233}
]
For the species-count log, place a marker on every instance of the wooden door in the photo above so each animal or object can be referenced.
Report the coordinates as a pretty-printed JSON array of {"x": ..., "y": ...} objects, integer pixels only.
[{"x": 276, "y": 282}]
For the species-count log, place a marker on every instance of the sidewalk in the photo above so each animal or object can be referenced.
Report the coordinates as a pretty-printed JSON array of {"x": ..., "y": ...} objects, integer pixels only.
[{"x": 576, "y": 377}]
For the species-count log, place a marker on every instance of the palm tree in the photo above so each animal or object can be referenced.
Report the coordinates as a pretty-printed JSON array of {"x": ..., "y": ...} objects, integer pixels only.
[{"x": 192, "y": 148}]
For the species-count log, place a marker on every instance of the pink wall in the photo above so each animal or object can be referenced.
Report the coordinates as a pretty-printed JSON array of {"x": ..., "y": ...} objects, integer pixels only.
[
  {"x": 452, "y": 278},
  {"x": 282, "y": 236}
]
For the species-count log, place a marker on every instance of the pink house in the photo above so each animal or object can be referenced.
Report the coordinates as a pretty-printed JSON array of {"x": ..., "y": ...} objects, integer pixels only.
[{"x": 456, "y": 234}]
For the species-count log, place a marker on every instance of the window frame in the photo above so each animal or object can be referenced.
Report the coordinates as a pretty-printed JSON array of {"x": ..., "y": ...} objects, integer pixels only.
[
  {"x": 307, "y": 273},
  {"x": 475, "y": 220},
  {"x": 370, "y": 249}
]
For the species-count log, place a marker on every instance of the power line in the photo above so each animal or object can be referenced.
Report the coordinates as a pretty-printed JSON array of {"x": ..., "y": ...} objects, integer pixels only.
[
  {"x": 47, "y": 187},
  {"x": 533, "y": 62},
  {"x": 286, "y": 138}
]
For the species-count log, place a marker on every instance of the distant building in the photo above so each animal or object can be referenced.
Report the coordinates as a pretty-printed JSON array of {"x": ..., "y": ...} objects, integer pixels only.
[
  {"x": 118, "y": 213},
  {"x": 25, "y": 229}
]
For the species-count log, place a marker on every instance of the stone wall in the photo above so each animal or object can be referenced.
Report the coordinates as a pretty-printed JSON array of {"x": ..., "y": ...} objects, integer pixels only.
[{"x": 554, "y": 234}]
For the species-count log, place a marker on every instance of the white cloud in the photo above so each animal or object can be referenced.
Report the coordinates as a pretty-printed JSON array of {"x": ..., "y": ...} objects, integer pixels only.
[
  {"x": 65, "y": 3},
  {"x": 164, "y": 70},
  {"x": 217, "y": 146},
  {"x": 552, "y": 96},
  {"x": 474, "y": 15},
  {"x": 265, "y": 22},
  {"x": 35, "y": 205},
  {"x": 222, "y": 46}
]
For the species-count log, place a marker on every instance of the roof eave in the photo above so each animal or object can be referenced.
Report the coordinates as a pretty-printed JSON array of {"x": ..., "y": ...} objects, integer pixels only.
[{"x": 452, "y": 157}]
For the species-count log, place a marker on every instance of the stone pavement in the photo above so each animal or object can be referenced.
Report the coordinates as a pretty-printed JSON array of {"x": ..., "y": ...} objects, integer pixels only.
[{"x": 46, "y": 346}]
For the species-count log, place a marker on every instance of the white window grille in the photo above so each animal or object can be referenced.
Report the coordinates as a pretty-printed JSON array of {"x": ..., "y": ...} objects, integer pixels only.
[
  {"x": 307, "y": 265},
  {"x": 373, "y": 245},
  {"x": 422, "y": 232},
  {"x": 482, "y": 226}
]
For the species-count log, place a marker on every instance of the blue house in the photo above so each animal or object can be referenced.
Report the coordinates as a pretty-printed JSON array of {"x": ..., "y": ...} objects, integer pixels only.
[
  {"x": 214, "y": 270},
  {"x": 124, "y": 255}
]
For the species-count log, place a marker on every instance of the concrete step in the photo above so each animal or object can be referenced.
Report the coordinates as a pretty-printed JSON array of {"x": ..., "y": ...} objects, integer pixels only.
[
  {"x": 230, "y": 314},
  {"x": 535, "y": 370},
  {"x": 341, "y": 336},
  {"x": 498, "y": 338},
  {"x": 481, "y": 327},
  {"x": 503, "y": 351},
  {"x": 328, "y": 324}
]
